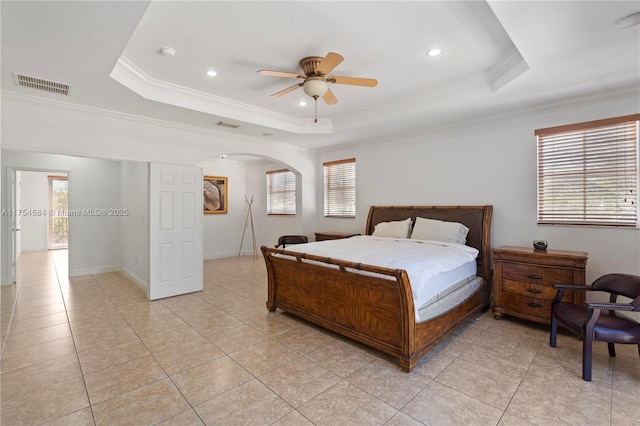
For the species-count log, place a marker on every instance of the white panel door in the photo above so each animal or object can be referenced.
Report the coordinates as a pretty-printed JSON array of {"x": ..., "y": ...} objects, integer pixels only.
[{"x": 175, "y": 230}]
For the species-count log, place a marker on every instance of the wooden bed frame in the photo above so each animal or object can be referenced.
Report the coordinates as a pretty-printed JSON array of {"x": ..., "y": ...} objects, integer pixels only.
[{"x": 375, "y": 311}]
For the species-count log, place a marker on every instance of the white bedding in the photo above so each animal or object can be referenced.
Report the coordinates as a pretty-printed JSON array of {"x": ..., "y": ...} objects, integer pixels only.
[{"x": 433, "y": 266}]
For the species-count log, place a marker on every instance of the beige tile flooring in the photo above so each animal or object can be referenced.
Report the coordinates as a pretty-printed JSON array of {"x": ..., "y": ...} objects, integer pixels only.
[{"x": 93, "y": 350}]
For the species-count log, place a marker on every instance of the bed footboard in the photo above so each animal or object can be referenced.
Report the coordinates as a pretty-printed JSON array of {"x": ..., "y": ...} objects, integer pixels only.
[{"x": 374, "y": 310}]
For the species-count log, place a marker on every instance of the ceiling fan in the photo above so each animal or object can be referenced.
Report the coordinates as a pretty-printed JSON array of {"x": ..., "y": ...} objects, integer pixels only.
[{"x": 315, "y": 78}]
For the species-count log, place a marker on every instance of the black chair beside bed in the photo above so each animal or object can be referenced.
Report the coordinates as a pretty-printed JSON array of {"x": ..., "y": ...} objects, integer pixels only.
[
  {"x": 291, "y": 239},
  {"x": 599, "y": 320}
]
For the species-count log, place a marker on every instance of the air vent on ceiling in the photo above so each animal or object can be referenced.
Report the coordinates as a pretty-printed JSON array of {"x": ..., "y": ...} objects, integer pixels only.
[
  {"x": 228, "y": 124},
  {"x": 40, "y": 84}
]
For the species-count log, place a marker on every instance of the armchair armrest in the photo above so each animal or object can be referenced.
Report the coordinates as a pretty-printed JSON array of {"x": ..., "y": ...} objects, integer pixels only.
[
  {"x": 609, "y": 306},
  {"x": 562, "y": 287},
  {"x": 572, "y": 287}
]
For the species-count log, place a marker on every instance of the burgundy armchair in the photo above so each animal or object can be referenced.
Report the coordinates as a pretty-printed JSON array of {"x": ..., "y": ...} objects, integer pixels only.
[{"x": 599, "y": 320}]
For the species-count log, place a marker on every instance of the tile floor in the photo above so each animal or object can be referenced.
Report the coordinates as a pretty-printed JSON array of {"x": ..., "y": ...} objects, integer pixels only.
[{"x": 93, "y": 350}]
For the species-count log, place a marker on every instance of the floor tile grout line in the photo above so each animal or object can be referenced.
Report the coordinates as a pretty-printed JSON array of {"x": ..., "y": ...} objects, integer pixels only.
[
  {"x": 13, "y": 310},
  {"x": 168, "y": 376},
  {"x": 75, "y": 347}
]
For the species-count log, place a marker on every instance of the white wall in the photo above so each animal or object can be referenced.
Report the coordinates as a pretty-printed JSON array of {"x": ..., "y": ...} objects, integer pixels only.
[
  {"x": 492, "y": 162},
  {"x": 271, "y": 227},
  {"x": 56, "y": 127},
  {"x": 93, "y": 184},
  {"x": 34, "y": 192},
  {"x": 487, "y": 162},
  {"x": 222, "y": 233},
  {"x": 134, "y": 225}
]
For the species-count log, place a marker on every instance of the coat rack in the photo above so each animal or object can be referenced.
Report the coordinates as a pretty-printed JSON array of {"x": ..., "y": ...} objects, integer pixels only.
[{"x": 249, "y": 221}]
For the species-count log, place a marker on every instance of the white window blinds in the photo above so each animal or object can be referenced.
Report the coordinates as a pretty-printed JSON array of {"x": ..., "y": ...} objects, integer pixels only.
[
  {"x": 588, "y": 173},
  {"x": 340, "y": 188},
  {"x": 281, "y": 192}
]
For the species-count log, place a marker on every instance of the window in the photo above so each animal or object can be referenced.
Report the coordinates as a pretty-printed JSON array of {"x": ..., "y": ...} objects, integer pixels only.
[
  {"x": 340, "y": 188},
  {"x": 58, "y": 235},
  {"x": 281, "y": 192},
  {"x": 588, "y": 173}
]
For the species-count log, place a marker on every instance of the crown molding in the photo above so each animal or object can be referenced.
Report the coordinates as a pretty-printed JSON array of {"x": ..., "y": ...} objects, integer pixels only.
[{"x": 129, "y": 75}]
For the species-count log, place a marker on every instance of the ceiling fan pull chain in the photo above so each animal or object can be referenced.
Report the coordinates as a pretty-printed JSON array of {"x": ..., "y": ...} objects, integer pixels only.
[{"x": 315, "y": 99}]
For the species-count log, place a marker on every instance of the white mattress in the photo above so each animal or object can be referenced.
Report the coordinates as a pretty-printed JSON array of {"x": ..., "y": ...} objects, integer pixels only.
[
  {"x": 444, "y": 283},
  {"x": 449, "y": 301},
  {"x": 435, "y": 269}
]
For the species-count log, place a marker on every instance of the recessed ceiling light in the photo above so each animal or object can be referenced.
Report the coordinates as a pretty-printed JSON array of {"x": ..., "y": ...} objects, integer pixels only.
[
  {"x": 223, "y": 156},
  {"x": 212, "y": 73},
  {"x": 168, "y": 51},
  {"x": 434, "y": 52},
  {"x": 268, "y": 134},
  {"x": 628, "y": 21},
  {"x": 302, "y": 103}
]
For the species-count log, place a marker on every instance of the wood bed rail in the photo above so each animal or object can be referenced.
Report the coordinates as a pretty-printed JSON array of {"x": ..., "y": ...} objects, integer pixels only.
[{"x": 341, "y": 264}]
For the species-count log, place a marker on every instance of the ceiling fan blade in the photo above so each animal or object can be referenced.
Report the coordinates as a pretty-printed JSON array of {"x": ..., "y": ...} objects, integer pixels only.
[
  {"x": 330, "y": 98},
  {"x": 285, "y": 74},
  {"x": 285, "y": 91},
  {"x": 353, "y": 81},
  {"x": 329, "y": 62}
]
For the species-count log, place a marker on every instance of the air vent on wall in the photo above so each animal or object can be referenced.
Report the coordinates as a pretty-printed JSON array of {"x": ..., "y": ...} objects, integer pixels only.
[
  {"x": 40, "y": 84},
  {"x": 228, "y": 124}
]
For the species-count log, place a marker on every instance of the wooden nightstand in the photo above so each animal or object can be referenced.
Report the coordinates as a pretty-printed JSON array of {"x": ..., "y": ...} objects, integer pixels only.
[
  {"x": 523, "y": 278},
  {"x": 322, "y": 236}
]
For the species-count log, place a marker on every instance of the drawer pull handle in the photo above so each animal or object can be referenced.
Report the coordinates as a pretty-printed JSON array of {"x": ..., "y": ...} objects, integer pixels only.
[
  {"x": 534, "y": 277},
  {"x": 534, "y": 290},
  {"x": 534, "y": 305}
]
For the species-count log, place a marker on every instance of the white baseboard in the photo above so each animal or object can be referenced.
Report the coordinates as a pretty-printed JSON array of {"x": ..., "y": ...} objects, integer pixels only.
[
  {"x": 113, "y": 268},
  {"x": 133, "y": 277},
  {"x": 225, "y": 255},
  {"x": 30, "y": 249},
  {"x": 96, "y": 270}
]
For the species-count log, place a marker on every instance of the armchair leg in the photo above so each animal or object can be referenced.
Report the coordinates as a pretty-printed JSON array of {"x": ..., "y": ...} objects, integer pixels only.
[
  {"x": 554, "y": 331},
  {"x": 587, "y": 357},
  {"x": 612, "y": 349}
]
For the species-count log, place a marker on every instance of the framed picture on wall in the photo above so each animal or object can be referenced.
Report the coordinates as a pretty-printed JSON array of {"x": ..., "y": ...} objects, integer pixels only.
[{"x": 214, "y": 190}]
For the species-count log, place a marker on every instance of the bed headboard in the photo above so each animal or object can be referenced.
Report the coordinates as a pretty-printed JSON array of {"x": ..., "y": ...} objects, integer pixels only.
[{"x": 476, "y": 218}]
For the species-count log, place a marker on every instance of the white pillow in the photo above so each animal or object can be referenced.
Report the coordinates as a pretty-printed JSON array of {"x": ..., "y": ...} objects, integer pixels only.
[
  {"x": 439, "y": 230},
  {"x": 395, "y": 229}
]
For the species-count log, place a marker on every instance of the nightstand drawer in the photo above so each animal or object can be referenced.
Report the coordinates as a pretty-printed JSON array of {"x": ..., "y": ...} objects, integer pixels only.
[
  {"x": 531, "y": 306},
  {"x": 528, "y": 290},
  {"x": 538, "y": 275}
]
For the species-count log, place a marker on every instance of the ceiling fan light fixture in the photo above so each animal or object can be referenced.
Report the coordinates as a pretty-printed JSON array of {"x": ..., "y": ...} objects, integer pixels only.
[{"x": 315, "y": 87}]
